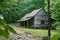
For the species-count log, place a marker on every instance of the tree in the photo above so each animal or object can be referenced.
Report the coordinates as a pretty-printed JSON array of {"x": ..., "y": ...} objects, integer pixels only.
[
  {"x": 13, "y": 10},
  {"x": 26, "y": 6},
  {"x": 9, "y": 9},
  {"x": 55, "y": 11},
  {"x": 4, "y": 28}
]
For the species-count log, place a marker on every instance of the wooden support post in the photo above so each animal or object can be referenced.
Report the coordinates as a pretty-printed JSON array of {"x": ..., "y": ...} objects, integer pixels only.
[
  {"x": 27, "y": 24},
  {"x": 24, "y": 24}
]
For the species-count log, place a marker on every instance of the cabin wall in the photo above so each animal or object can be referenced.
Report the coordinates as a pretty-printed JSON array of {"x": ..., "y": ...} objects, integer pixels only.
[
  {"x": 30, "y": 23},
  {"x": 41, "y": 19},
  {"x": 21, "y": 23}
]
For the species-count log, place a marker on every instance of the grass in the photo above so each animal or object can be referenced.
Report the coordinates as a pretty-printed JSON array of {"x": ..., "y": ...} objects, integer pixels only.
[
  {"x": 37, "y": 32},
  {"x": 40, "y": 32},
  {"x": 56, "y": 37}
]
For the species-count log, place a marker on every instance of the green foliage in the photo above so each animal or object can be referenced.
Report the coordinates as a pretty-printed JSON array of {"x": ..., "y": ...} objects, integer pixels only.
[
  {"x": 10, "y": 29},
  {"x": 56, "y": 37},
  {"x": 55, "y": 9},
  {"x": 5, "y": 29},
  {"x": 9, "y": 9},
  {"x": 4, "y": 33},
  {"x": 56, "y": 24},
  {"x": 26, "y": 6},
  {"x": 15, "y": 9}
]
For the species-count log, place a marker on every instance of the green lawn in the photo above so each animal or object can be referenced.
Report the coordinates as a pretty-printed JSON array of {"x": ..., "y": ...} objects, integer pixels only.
[
  {"x": 56, "y": 37},
  {"x": 37, "y": 32}
]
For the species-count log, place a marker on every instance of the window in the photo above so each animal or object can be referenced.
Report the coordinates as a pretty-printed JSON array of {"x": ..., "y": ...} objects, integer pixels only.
[{"x": 42, "y": 21}]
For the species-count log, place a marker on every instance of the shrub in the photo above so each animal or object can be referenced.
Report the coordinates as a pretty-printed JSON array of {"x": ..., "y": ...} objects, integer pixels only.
[{"x": 56, "y": 24}]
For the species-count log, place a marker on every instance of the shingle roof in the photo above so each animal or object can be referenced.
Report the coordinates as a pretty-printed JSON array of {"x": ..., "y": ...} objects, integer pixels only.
[{"x": 30, "y": 15}]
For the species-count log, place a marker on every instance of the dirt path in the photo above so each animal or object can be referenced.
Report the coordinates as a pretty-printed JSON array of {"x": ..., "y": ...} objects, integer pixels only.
[{"x": 22, "y": 35}]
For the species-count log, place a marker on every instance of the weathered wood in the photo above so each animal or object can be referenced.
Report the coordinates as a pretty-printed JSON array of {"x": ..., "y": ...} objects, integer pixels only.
[
  {"x": 35, "y": 19},
  {"x": 24, "y": 24},
  {"x": 27, "y": 24},
  {"x": 41, "y": 16}
]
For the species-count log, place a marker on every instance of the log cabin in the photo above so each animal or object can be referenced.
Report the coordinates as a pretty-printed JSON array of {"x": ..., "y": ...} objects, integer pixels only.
[{"x": 37, "y": 18}]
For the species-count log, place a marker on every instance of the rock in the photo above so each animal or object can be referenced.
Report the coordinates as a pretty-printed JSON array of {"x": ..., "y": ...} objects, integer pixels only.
[{"x": 23, "y": 36}]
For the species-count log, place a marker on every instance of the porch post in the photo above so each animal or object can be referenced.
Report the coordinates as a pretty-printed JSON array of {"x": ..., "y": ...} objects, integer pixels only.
[
  {"x": 24, "y": 24},
  {"x": 27, "y": 24}
]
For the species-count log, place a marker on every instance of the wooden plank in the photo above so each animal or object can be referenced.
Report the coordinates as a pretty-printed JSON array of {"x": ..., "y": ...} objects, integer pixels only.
[{"x": 27, "y": 24}]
